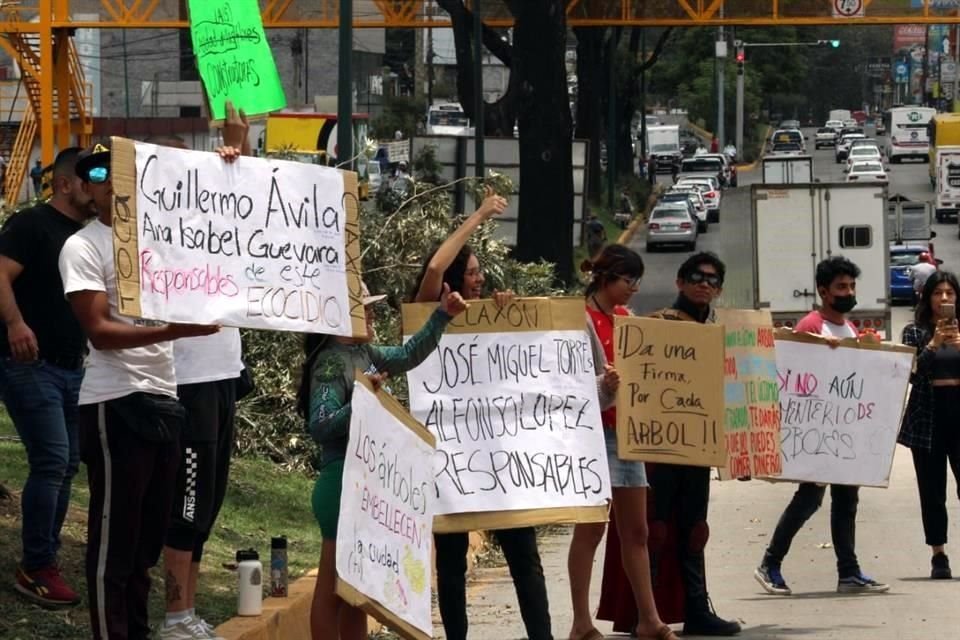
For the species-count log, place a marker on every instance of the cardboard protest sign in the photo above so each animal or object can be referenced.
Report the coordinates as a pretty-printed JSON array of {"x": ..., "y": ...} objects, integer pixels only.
[
  {"x": 234, "y": 57},
  {"x": 751, "y": 395},
  {"x": 840, "y": 408},
  {"x": 384, "y": 534},
  {"x": 257, "y": 243},
  {"x": 511, "y": 396},
  {"x": 670, "y": 400}
]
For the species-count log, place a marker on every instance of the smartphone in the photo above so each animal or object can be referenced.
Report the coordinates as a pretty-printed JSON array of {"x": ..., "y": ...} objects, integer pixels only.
[{"x": 948, "y": 311}]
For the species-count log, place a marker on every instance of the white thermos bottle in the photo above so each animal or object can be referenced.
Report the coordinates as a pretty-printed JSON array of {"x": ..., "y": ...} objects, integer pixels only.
[{"x": 250, "y": 593}]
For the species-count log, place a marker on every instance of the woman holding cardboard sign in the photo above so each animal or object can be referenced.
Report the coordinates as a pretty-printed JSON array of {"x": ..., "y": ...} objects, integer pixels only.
[
  {"x": 929, "y": 422},
  {"x": 326, "y": 387},
  {"x": 616, "y": 277},
  {"x": 455, "y": 265}
]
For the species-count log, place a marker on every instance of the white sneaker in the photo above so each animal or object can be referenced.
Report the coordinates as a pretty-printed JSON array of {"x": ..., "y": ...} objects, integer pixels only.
[
  {"x": 209, "y": 628},
  {"x": 189, "y": 629}
]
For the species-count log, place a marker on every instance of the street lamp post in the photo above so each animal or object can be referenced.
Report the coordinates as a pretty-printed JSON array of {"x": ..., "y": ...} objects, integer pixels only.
[{"x": 741, "y": 47}]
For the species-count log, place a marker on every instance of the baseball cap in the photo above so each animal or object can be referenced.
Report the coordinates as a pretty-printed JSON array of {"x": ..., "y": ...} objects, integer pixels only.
[
  {"x": 96, "y": 156},
  {"x": 369, "y": 299}
]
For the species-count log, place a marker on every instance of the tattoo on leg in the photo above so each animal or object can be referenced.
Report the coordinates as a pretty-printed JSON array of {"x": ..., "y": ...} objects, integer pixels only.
[{"x": 173, "y": 588}]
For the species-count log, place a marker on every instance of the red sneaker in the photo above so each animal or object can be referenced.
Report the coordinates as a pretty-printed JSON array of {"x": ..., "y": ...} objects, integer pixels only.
[{"x": 45, "y": 587}]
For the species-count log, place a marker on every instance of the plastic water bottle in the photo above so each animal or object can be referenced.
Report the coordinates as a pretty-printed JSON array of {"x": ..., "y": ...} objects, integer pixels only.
[
  {"x": 250, "y": 592},
  {"x": 278, "y": 567}
]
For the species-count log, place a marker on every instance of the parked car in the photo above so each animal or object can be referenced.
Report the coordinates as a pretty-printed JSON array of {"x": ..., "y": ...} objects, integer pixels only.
[
  {"x": 671, "y": 224},
  {"x": 787, "y": 149},
  {"x": 863, "y": 153},
  {"x": 901, "y": 284},
  {"x": 698, "y": 208},
  {"x": 729, "y": 168},
  {"x": 843, "y": 145},
  {"x": 825, "y": 137},
  {"x": 867, "y": 171},
  {"x": 781, "y": 136},
  {"x": 710, "y": 190}
]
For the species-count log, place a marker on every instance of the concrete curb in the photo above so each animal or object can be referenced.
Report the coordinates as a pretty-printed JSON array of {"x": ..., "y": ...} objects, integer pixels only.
[
  {"x": 763, "y": 150},
  {"x": 286, "y": 618},
  {"x": 641, "y": 218}
]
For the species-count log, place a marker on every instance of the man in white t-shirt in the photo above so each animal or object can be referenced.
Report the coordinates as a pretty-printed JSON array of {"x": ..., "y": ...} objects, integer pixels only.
[
  {"x": 836, "y": 280},
  {"x": 129, "y": 420},
  {"x": 208, "y": 369}
]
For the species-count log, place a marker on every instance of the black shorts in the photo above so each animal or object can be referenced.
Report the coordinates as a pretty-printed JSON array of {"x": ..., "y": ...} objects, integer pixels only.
[{"x": 206, "y": 443}]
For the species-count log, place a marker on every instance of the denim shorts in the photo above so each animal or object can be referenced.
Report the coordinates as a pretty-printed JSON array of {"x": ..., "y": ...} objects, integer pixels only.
[{"x": 623, "y": 473}]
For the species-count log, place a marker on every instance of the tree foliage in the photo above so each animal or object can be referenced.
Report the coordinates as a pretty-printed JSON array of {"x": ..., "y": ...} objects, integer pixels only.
[{"x": 394, "y": 244}]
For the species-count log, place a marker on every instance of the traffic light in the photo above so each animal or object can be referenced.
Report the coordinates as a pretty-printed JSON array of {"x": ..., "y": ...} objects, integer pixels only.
[
  {"x": 835, "y": 43},
  {"x": 832, "y": 43},
  {"x": 740, "y": 56}
]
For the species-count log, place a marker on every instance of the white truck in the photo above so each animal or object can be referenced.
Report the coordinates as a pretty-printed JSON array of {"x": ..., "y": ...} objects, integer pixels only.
[
  {"x": 947, "y": 183},
  {"x": 663, "y": 143},
  {"x": 908, "y": 222},
  {"x": 796, "y": 226},
  {"x": 787, "y": 169},
  {"x": 840, "y": 114}
]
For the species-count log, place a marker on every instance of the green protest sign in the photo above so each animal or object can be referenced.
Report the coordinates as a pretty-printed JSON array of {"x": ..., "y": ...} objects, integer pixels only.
[{"x": 234, "y": 57}]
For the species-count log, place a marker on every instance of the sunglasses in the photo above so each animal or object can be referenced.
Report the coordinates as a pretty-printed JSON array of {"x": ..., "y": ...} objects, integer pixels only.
[
  {"x": 711, "y": 279},
  {"x": 98, "y": 175}
]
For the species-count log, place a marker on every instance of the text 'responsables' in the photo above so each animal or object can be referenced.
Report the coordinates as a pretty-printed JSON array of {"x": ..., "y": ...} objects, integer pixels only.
[
  {"x": 513, "y": 405},
  {"x": 255, "y": 243}
]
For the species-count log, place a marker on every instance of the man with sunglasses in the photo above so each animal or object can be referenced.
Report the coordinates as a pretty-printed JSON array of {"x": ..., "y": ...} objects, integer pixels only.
[
  {"x": 680, "y": 492},
  {"x": 129, "y": 420},
  {"x": 41, "y": 365}
]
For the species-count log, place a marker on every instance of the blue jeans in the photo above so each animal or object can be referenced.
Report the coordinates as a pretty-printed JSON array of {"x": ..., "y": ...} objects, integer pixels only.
[{"x": 42, "y": 402}]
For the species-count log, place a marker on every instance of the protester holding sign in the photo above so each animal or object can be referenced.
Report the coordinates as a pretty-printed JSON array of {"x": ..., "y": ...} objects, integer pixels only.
[
  {"x": 836, "y": 280},
  {"x": 616, "y": 274},
  {"x": 207, "y": 369},
  {"x": 129, "y": 418},
  {"x": 455, "y": 265},
  {"x": 326, "y": 387},
  {"x": 930, "y": 421},
  {"x": 678, "y": 518}
]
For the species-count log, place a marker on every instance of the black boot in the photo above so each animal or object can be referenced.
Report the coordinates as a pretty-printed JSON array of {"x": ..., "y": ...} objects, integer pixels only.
[
  {"x": 701, "y": 620},
  {"x": 699, "y": 617}
]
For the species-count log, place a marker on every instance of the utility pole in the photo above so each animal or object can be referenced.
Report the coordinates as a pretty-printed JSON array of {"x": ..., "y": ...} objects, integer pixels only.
[
  {"x": 478, "y": 119},
  {"x": 345, "y": 86},
  {"x": 741, "y": 59},
  {"x": 612, "y": 118},
  {"x": 721, "y": 52}
]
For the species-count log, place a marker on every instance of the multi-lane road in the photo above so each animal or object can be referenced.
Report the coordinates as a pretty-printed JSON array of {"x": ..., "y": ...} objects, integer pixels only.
[{"x": 732, "y": 238}]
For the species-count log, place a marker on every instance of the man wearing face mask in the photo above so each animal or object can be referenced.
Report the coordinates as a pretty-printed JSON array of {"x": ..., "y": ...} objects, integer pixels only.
[{"x": 837, "y": 286}]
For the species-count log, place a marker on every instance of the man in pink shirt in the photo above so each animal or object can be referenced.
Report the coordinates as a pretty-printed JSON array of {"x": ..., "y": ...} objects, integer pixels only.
[{"x": 836, "y": 280}]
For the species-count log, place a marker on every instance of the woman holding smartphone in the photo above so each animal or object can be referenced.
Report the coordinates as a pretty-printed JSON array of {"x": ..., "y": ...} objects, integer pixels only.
[{"x": 929, "y": 424}]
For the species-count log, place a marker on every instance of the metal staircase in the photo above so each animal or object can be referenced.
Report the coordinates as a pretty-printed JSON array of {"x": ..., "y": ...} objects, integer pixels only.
[{"x": 27, "y": 48}]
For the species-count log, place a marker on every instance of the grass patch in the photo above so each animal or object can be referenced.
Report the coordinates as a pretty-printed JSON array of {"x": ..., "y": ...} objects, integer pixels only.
[{"x": 261, "y": 502}]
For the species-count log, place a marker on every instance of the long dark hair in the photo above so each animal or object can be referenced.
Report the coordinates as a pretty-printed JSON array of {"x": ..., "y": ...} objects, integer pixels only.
[
  {"x": 924, "y": 313},
  {"x": 614, "y": 261},
  {"x": 313, "y": 344},
  {"x": 454, "y": 274}
]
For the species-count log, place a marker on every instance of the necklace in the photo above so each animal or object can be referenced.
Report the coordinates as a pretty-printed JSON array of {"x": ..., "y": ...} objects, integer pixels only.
[{"x": 600, "y": 306}]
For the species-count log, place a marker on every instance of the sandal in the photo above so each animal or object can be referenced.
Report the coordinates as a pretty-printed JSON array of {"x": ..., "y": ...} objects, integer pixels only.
[
  {"x": 593, "y": 634},
  {"x": 663, "y": 633}
]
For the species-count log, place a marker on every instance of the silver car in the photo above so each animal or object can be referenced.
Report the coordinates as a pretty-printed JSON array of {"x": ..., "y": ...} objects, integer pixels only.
[
  {"x": 696, "y": 198},
  {"x": 671, "y": 223}
]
